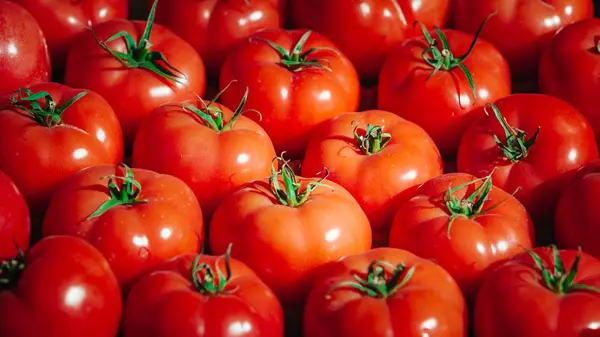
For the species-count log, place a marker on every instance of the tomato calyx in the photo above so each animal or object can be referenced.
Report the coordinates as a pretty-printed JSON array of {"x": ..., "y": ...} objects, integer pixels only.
[
  {"x": 11, "y": 270},
  {"x": 516, "y": 145},
  {"x": 125, "y": 195},
  {"x": 48, "y": 114},
  {"x": 374, "y": 139},
  {"x": 139, "y": 55},
  {"x": 212, "y": 282},
  {"x": 298, "y": 60}
]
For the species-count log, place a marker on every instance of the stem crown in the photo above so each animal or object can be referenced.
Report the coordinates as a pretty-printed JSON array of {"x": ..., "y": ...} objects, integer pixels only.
[
  {"x": 212, "y": 282},
  {"x": 49, "y": 115},
  {"x": 374, "y": 139},
  {"x": 11, "y": 270},
  {"x": 516, "y": 145}
]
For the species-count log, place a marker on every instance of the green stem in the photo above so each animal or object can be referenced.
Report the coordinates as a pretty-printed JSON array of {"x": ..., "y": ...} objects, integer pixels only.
[
  {"x": 11, "y": 270},
  {"x": 212, "y": 282},
  {"x": 47, "y": 114},
  {"x": 516, "y": 145},
  {"x": 374, "y": 139}
]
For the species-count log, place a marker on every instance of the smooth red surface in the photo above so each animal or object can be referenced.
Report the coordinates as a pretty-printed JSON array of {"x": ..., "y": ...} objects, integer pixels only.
[{"x": 14, "y": 219}]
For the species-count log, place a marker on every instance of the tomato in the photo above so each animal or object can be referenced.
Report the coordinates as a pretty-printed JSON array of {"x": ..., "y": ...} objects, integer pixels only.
[
  {"x": 52, "y": 131},
  {"x": 464, "y": 224},
  {"x": 440, "y": 92},
  {"x": 544, "y": 292},
  {"x": 385, "y": 292},
  {"x": 24, "y": 58},
  {"x": 297, "y": 80},
  {"x": 521, "y": 29},
  {"x": 61, "y": 287},
  {"x": 378, "y": 157},
  {"x": 286, "y": 227},
  {"x": 134, "y": 229},
  {"x": 14, "y": 219},
  {"x": 202, "y": 296},
  {"x": 541, "y": 141},
  {"x": 135, "y": 71},
  {"x": 366, "y": 30}
]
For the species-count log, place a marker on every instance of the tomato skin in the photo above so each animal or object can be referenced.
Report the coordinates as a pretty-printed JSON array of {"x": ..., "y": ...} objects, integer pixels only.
[
  {"x": 521, "y": 29},
  {"x": 366, "y": 30},
  {"x": 475, "y": 245},
  {"x": 134, "y": 238},
  {"x": 90, "y": 135},
  {"x": 14, "y": 219},
  {"x": 292, "y": 103},
  {"x": 165, "y": 303},
  {"x": 132, "y": 92},
  {"x": 380, "y": 181},
  {"x": 24, "y": 58},
  {"x": 515, "y": 292},
  {"x": 59, "y": 270},
  {"x": 442, "y": 105},
  {"x": 430, "y": 294}
]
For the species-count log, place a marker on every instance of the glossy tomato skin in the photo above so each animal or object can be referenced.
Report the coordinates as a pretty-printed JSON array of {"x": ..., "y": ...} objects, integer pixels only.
[
  {"x": 365, "y": 30},
  {"x": 66, "y": 290},
  {"x": 14, "y": 219},
  {"x": 133, "y": 92},
  {"x": 443, "y": 104},
  {"x": 521, "y": 29},
  {"x": 175, "y": 141},
  {"x": 292, "y": 103},
  {"x": 165, "y": 303},
  {"x": 379, "y": 181},
  {"x": 473, "y": 246},
  {"x": 133, "y": 238},
  {"x": 430, "y": 295},
  {"x": 24, "y": 58},
  {"x": 515, "y": 292},
  {"x": 39, "y": 158}
]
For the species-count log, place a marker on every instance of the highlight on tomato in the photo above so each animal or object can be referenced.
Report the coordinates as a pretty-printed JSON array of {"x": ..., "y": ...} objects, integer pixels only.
[{"x": 14, "y": 219}]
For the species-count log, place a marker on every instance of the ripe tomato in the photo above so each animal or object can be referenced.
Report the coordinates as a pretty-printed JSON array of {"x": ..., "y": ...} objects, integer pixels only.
[
  {"x": 218, "y": 296},
  {"x": 134, "y": 77},
  {"x": 466, "y": 225},
  {"x": 365, "y": 30},
  {"x": 134, "y": 229},
  {"x": 61, "y": 287},
  {"x": 544, "y": 292},
  {"x": 378, "y": 157},
  {"x": 286, "y": 233},
  {"x": 426, "y": 81},
  {"x": 24, "y": 58},
  {"x": 297, "y": 80},
  {"x": 14, "y": 219},
  {"x": 505, "y": 142},
  {"x": 521, "y": 29},
  {"x": 385, "y": 292},
  {"x": 52, "y": 131}
]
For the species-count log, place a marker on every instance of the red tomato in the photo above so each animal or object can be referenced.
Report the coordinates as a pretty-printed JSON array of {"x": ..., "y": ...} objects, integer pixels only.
[
  {"x": 286, "y": 227},
  {"x": 297, "y": 80},
  {"x": 61, "y": 287},
  {"x": 52, "y": 131},
  {"x": 24, "y": 58},
  {"x": 14, "y": 219},
  {"x": 366, "y": 30},
  {"x": 205, "y": 296},
  {"x": 378, "y": 157},
  {"x": 521, "y": 29},
  {"x": 534, "y": 165},
  {"x": 385, "y": 292},
  {"x": 135, "y": 72},
  {"x": 544, "y": 292},
  {"x": 467, "y": 226},
  {"x": 439, "y": 92},
  {"x": 134, "y": 229}
]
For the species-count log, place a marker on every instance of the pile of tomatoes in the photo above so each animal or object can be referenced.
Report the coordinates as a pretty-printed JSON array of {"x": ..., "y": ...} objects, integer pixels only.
[{"x": 317, "y": 168}]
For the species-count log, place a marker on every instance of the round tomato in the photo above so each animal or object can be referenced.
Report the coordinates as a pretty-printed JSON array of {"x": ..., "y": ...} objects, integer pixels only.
[
  {"x": 438, "y": 82},
  {"x": 61, "y": 287},
  {"x": 24, "y": 58},
  {"x": 385, "y": 292},
  {"x": 464, "y": 224},
  {"x": 50, "y": 131},
  {"x": 378, "y": 157},
  {"x": 544, "y": 292},
  {"x": 286, "y": 227},
  {"x": 365, "y": 30},
  {"x": 521, "y": 29},
  {"x": 136, "y": 66},
  {"x": 14, "y": 219},
  {"x": 297, "y": 80},
  {"x": 531, "y": 144},
  {"x": 134, "y": 229},
  {"x": 218, "y": 296}
]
